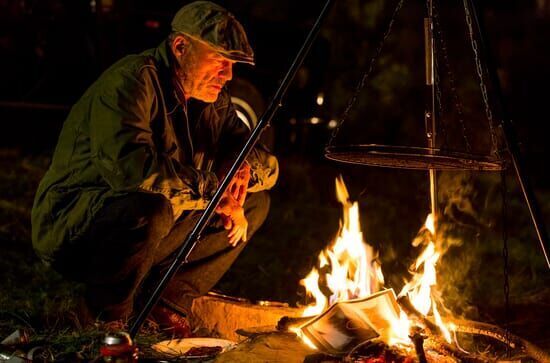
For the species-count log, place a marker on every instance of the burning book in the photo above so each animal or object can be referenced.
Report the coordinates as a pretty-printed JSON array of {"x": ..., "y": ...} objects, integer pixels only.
[{"x": 347, "y": 324}]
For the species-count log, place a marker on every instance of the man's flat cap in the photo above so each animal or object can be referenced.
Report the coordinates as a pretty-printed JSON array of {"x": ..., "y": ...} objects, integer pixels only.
[{"x": 211, "y": 23}]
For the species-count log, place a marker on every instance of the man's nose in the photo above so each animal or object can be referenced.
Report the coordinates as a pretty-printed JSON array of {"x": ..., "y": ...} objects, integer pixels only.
[{"x": 227, "y": 72}]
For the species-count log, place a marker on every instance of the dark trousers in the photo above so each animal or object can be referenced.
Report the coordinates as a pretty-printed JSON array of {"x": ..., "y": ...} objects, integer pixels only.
[{"x": 133, "y": 241}]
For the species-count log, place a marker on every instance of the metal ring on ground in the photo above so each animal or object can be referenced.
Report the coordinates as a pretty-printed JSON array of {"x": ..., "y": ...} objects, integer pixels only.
[{"x": 416, "y": 158}]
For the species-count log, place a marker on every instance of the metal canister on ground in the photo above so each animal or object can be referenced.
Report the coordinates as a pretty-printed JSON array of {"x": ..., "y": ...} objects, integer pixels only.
[{"x": 118, "y": 348}]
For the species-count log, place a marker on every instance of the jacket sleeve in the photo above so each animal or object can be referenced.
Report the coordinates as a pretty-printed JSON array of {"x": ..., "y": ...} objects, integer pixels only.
[
  {"x": 130, "y": 156},
  {"x": 264, "y": 165}
]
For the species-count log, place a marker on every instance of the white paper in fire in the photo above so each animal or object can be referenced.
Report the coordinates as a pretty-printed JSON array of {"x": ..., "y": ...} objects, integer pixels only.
[{"x": 346, "y": 324}]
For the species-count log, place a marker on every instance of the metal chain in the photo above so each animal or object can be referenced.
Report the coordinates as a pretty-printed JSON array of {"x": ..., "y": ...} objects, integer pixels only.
[
  {"x": 361, "y": 84},
  {"x": 436, "y": 82},
  {"x": 495, "y": 151},
  {"x": 482, "y": 86},
  {"x": 505, "y": 258},
  {"x": 450, "y": 75}
]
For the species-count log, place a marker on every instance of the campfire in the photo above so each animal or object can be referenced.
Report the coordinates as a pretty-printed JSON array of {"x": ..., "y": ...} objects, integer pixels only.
[
  {"x": 354, "y": 314},
  {"x": 353, "y": 308},
  {"x": 351, "y": 270}
]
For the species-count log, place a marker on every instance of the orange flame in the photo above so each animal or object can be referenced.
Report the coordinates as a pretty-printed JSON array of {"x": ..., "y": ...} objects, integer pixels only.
[
  {"x": 356, "y": 273},
  {"x": 419, "y": 288}
]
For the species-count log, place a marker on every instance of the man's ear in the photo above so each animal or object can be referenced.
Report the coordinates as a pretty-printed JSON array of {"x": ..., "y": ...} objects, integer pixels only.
[{"x": 179, "y": 45}]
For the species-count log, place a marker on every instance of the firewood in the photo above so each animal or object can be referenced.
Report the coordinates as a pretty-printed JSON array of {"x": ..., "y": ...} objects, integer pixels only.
[
  {"x": 418, "y": 340},
  {"x": 434, "y": 333},
  {"x": 411, "y": 312},
  {"x": 435, "y": 339}
]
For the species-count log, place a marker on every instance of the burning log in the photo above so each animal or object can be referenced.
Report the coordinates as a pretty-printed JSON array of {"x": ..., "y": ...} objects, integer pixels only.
[
  {"x": 435, "y": 334},
  {"x": 418, "y": 340},
  {"x": 420, "y": 319}
]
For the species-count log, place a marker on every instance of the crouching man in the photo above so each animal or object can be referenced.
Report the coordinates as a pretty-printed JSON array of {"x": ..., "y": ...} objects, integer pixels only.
[{"x": 139, "y": 157}]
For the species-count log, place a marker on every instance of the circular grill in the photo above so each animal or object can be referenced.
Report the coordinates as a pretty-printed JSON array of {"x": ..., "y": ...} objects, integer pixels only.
[{"x": 417, "y": 158}]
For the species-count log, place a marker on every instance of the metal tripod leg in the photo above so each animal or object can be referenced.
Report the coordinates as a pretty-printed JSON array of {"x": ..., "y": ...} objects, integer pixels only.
[{"x": 511, "y": 140}]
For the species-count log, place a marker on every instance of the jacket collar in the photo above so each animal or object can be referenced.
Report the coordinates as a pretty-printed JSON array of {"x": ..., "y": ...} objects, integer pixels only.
[{"x": 164, "y": 62}]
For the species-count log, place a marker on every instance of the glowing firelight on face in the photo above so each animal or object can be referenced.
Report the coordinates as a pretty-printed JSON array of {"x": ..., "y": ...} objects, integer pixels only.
[{"x": 354, "y": 272}]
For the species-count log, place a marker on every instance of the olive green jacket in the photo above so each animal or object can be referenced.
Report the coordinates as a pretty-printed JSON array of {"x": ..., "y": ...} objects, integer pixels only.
[{"x": 129, "y": 132}]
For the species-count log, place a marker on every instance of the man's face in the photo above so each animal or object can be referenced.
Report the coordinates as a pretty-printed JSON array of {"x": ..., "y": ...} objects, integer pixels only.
[{"x": 204, "y": 72}]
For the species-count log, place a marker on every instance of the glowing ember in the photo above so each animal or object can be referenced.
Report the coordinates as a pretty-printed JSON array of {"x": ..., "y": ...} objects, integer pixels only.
[{"x": 354, "y": 272}]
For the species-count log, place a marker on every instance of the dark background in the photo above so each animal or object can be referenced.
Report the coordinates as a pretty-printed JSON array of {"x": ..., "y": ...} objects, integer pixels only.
[{"x": 52, "y": 50}]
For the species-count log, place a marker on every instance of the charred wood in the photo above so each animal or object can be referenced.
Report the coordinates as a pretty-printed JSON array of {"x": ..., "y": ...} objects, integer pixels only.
[
  {"x": 418, "y": 341},
  {"x": 437, "y": 342}
]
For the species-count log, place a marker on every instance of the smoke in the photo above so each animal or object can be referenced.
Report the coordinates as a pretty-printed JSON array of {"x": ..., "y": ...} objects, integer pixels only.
[{"x": 466, "y": 234}]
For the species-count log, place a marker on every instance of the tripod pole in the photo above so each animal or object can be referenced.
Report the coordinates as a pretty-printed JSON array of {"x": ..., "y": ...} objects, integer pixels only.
[
  {"x": 194, "y": 237},
  {"x": 510, "y": 137}
]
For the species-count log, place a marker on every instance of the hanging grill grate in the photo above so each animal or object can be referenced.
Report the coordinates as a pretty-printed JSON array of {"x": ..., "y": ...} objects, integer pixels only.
[
  {"x": 420, "y": 158},
  {"x": 416, "y": 158}
]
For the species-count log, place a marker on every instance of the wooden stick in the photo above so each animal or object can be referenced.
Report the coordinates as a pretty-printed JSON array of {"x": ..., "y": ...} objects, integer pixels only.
[
  {"x": 411, "y": 312},
  {"x": 434, "y": 332},
  {"x": 418, "y": 341}
]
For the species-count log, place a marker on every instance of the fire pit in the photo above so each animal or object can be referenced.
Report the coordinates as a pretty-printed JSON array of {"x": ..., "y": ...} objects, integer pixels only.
[{"x": 359, "y": 321}]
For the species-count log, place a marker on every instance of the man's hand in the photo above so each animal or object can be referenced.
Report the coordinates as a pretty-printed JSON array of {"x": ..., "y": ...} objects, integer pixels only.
[
  {"x": 238, "y": 185},
  {"x": 234, "y": 220}
]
